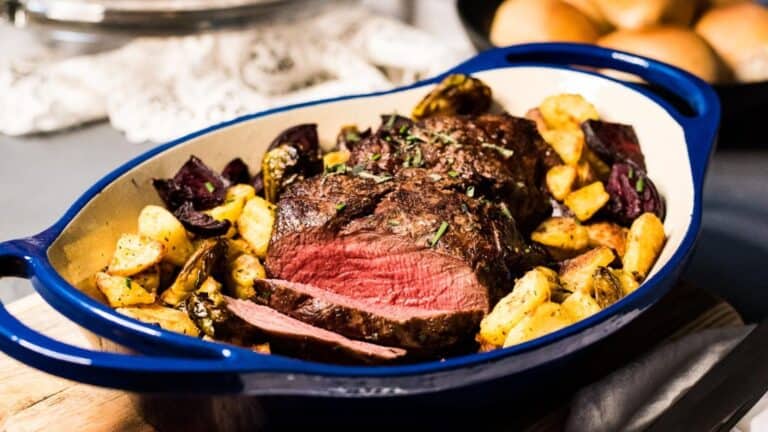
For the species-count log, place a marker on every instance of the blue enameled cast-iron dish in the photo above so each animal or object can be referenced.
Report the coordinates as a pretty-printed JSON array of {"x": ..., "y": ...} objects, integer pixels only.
[{"x": 60, "y": 260}]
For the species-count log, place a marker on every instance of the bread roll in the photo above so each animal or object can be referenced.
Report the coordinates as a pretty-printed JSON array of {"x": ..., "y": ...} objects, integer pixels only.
[
  {"x": 677, "y": 46},
  {"x": 521, "y": 21},
  {"x": 636, "y": 14},
  {"x": 590, "y": 9},
  {"x": 739, "y": 35}
]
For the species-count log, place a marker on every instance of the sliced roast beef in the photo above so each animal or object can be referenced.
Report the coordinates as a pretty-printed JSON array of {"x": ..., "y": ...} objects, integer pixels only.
[
  {"x": 419, "y": 328},
  {"x": 298, "y": 338}
]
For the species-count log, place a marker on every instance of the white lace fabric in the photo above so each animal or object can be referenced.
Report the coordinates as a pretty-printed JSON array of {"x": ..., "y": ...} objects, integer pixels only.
[{"x": 157, "y": 89}]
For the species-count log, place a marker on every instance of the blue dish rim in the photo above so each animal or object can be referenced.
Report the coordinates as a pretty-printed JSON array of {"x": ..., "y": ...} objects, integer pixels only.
[{"x": 700, "y": 132}]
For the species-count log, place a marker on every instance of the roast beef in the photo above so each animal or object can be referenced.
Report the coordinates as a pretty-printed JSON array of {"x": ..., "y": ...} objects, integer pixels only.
[
  {"x": 420, "y": 230},
  {"x": 298, "y": 338},
  {"x": 417, "y": 328}
]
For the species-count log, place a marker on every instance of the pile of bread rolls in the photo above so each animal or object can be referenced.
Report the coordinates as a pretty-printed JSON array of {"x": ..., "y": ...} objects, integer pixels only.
[{"x": 719, "y": 40}]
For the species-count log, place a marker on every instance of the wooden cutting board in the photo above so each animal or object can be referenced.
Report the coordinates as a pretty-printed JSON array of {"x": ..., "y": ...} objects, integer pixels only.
[{"x": 31, "y": 400}]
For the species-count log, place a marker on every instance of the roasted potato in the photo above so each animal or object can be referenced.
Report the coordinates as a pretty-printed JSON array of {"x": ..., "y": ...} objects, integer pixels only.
[
  {"x": 567, "y": 111},
  {"x": 580, "y": 305},
  {"x": 167, "y": 318},
  {"x": 149, "y": 279},
  {"x": 586, "y": 201},
  {"x": 563, "y": 233},
  {"x": 255, "y": 224},
  {"x": 134, "y": 254},
  {"x": 560, "y": 180},
  {"x": 335, "y": 158},
  {"x": 531, "y": 290},
  {"x": 568, "y": 144},
  {"x": 546, "y": 318},
  {"x": 608, "y": 234},
  {"x": 576, "y": 273},
  {"x": 585, "y": 174},
  {"x": 242, "y": 272},
  {"x": 235, "y": 200},
  {"x": 196, "y": 270},
  {"x": 628, "y": 282},
  {"x": 606, "y": 287},
  {"x": 644, "y": 243},
  {"x": 122, "y": 291},
  {"x": 161, "y": 225}
]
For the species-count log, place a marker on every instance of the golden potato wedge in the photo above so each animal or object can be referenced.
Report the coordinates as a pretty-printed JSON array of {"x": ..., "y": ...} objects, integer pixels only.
[
  {"x": 243, "y": 271},
  {"x": 255, "y": 224},
  {"x": 567, "y": 111},
  {"x": 531, "y": 290},
  {"x": 580, "y": 305},
  {"x": 608, "y": 234},
  {"x": 547, "y": 318},
  {"x": 122, "y": 291},
  {"x": 644, "y": 243},
  {"x": 263, "y": 348},
  {"x": 585, "y": 202},
  {"x": 232, "y": 208},
  {"x": 149, "y": 279},
  {"x": 568, "y": 144},
  {"x": 161, "y": 225},
  {"x": 560, "y": 179},
  {"x": 627, "y": 281},
  {"x": 134, "y": 254},
  {"x": 237, "y": 247},
  {"x": 167, "y": 318},
  {"x": 576, "y": 273},
  {"x": 563, "y": 233},
  {"x": 335, "y": 158},
  {"x": 606, "y": 287}
]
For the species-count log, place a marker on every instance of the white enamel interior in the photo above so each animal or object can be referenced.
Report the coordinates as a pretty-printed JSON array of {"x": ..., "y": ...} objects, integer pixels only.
[{"x": 88, "y": 241}]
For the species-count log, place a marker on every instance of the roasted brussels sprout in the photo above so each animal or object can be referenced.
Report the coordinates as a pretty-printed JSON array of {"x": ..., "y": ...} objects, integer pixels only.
[
  {"x": 606, "y": 287},
  {"x": 294, "y": 154},
  {"x": 236, "y": 171},
  {"x": 207, "y": 307},
  {"x": 195, "y": 183},
  {"x": 613, "y": 142},
  {"x": 632, "y": 193},
  {"x": 204, "y": 262},
  {"x": 456, "y": 94},
  {"x": 200, "y": 223}
]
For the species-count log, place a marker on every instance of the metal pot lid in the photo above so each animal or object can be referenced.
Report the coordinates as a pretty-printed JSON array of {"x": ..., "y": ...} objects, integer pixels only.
[{"x": 145, "y": 16}]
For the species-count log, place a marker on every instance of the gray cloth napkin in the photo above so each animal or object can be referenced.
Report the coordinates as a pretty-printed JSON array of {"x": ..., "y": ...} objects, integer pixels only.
[{"x": 632, "y": 397}]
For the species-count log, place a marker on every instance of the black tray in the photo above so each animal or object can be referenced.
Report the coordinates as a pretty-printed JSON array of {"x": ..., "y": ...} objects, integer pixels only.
[{"x": 744, "y": 106}]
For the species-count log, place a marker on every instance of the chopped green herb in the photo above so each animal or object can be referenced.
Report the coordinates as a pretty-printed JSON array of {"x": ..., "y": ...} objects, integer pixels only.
[
  {"x": 352, "y": 136},
  {"x": 391, "y": 120},
  {"x": 453, "y": 173},
  {"x": 407, "y": 162},
  {"x": 413, "y": 138},
  {"x": 505, "y": 152},
  {"x": 376, "y": 156},
  {"x": 339, "y": 168},
  {"x": 471, "y": 191},
  {"x": 435, "y": 177},
  {"x": 631, "y": 173},
  {"x": 417, "y": 158},
  {"x": 464, "y": 208},
  {"x": 403, "y": 129},
  {"x": 209, "y": 187},
  {"x": 357, "y": 169},
  {"x": 445, "y": 138},
  {"x": 128, "y": 282},
  {"x": 384, "y": 177},
  {"x": 505, "y": 210},
  {"x": 640, "y": 184},
  {"x": 393, "y": 222},
  {"x": 440, "y": 231},
  {"x": 341, "y": 206}
]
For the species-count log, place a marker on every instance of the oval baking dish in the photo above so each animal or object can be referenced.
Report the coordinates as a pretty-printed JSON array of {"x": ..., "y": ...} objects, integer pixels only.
[{"x": 677, "y": 149}]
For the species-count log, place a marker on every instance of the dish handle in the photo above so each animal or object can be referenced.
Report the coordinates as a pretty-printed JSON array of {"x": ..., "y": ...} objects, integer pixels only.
[
  {"x": 123, "y": 371},
  {"x": 700, "y": 125}
]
